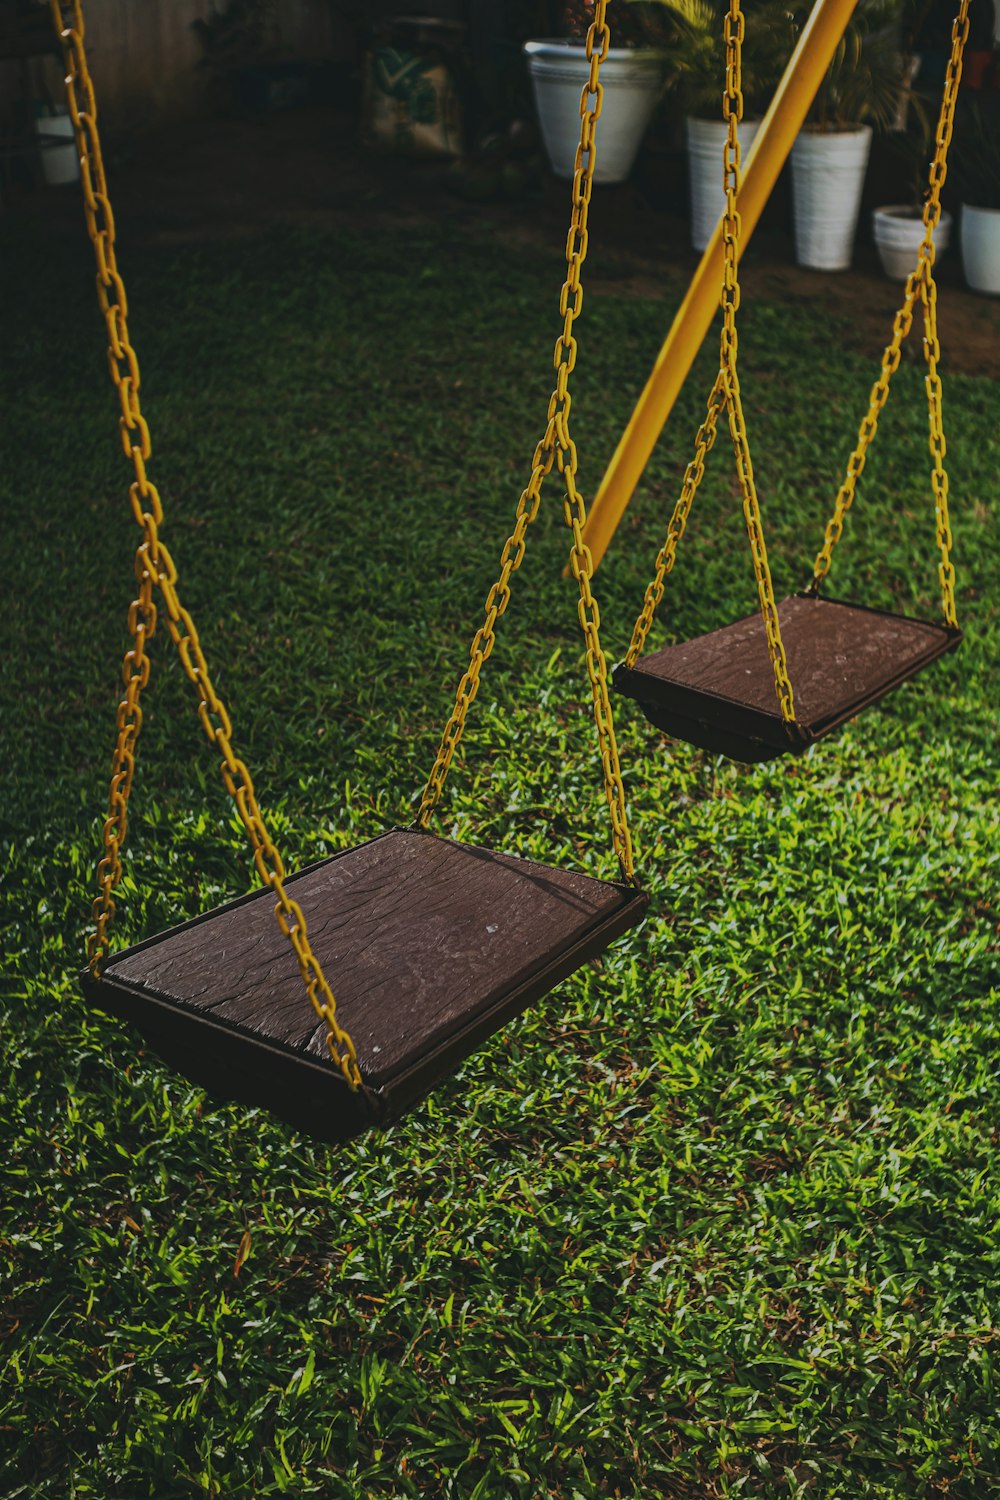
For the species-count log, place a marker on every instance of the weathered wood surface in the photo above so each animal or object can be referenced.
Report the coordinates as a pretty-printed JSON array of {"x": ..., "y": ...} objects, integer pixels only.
[
  {"x": 841, "y": 658},
  {"x": 416, "y": 934}
]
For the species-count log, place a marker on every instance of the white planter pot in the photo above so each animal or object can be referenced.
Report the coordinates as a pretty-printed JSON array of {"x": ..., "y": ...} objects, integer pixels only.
[
  {"x": 899, "y": 231},
  {"x": 828, "y": 173},
  {"x": 60, "y": 163},
  {"x": 706, "y": 141},
  {"x": 632, "y": 81},
  {"x": 981, "y": 248}
]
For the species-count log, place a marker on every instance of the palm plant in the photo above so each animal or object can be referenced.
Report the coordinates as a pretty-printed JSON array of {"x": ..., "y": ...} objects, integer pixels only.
[
  {"x": 862, "y": 84},
  {"x": 866, "y": 78},
  {"x": 697, "y": 57}
]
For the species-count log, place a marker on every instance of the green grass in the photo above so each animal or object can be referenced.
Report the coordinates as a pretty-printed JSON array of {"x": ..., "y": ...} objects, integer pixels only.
[{"x": 718, "y": 1218}]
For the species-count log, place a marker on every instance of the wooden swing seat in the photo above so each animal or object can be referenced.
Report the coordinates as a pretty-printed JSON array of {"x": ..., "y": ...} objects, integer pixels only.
[
  {"x": 717, "y": 691},
  {"x": 433, "y": 946}
]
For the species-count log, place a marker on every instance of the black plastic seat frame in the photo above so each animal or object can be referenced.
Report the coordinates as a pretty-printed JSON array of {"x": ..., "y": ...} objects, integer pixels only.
[
  {"x": 430, "y": 946},
  {"x": 717, "y": 690}
]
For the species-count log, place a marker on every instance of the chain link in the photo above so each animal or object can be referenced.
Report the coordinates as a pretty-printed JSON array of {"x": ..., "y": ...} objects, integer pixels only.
[
  {"x": 919, "y": 284},
  {"x": 155, "y": 566},
  {"x": 667, "y": 555},
  {"x": 729, "y": 350},
  {"x": 725, "y": 395},
  {"x": 556, "y": 448}
]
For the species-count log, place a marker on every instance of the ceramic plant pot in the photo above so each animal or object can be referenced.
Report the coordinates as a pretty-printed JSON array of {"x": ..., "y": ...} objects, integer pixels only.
[
  {"x": 706, "y": 141},
  {"x": 981, "y": 248},
  {"x": 632, "y": 79},
  {"x": 898, "y": 231},
  {"x": 60, "y": 163},
  {"x": 828, "y": 174}
]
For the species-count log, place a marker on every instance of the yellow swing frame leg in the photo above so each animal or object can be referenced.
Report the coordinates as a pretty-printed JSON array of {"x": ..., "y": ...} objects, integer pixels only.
[{"x": 773, "y": 142}]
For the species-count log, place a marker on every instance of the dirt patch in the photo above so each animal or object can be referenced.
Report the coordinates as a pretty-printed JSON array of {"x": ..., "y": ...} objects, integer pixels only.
[{"x": 219, "y": 178}]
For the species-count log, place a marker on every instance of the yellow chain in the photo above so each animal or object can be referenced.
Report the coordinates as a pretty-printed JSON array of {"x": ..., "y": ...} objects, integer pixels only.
[
  {"x": 154, "y": 565},
  {"x": 939, "y": 474},
  {"x": 667, "y": 555},
  {"x": 733, "y": 107},
  {"x": 920, "y": 283},
  {"x": 556, "y": 447},
  {"x": 725, "y": 394}
]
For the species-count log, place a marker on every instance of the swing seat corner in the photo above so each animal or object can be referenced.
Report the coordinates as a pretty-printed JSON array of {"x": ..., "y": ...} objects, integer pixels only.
[
  {"x": 716, "y": 691},
  {"x": 435, "y": 945}
]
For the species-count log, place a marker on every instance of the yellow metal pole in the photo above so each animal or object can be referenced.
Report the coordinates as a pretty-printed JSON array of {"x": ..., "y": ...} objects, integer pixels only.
[{"x": 771, "y": 146}]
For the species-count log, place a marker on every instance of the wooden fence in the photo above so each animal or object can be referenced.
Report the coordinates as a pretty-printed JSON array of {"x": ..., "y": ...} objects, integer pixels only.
[{"x": 145, "y": 56}]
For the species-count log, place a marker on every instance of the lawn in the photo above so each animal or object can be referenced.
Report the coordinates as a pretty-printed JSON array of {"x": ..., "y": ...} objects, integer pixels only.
[{"x": 716, "y": 1219}]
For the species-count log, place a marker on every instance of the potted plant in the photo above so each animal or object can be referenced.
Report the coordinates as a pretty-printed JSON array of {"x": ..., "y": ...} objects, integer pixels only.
[
  {"x": 898, "y": 228},
  {"x": 696, "y": 76},
  {"x": 632, "y": 76},
  {"x": 861, "y": 90},
  {"x": 977, "y": 155},
  {"x": 898, "y": 231}
]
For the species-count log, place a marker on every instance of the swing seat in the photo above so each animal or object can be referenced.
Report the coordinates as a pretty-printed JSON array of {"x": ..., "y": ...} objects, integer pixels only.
[
  {"x": 717, "y": 691},
  {"x": 432, "y": 946}
]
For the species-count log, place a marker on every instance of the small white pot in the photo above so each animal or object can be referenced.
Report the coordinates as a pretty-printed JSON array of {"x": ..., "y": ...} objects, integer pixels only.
[
  {"x": 899, "y": 231},
  {"x": 60, "y": 163},
  {"x": 828, "y": 174},
  {"x": 981, "y": 248},
  {"x": 706, "y": 140},
  {"x": 632, "y": 80}
]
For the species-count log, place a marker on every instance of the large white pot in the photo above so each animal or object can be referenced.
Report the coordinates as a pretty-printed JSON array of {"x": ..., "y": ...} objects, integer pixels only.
[
  {"x": 706, "y": 141},
  {"x": 632, "y": 81},
  {"x": 899, "y": 232},
  {"x": 981, "y": 248},
  {"x": 828, "y": 174}
]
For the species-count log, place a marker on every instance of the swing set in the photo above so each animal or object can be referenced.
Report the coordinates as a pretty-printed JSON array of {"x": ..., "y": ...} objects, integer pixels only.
[
  {"x": 731, "y": 691},
  {"x": 436, "y": 944}
]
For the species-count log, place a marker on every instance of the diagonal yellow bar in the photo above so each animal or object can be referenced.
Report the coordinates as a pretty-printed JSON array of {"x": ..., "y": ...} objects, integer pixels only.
[{"x": 767, "y": 156}]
